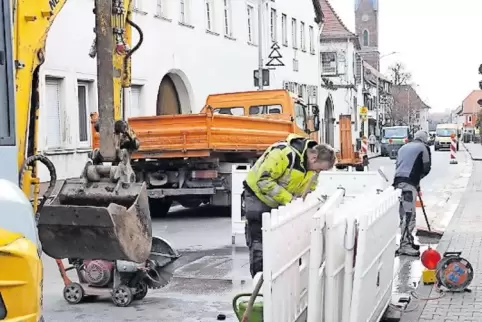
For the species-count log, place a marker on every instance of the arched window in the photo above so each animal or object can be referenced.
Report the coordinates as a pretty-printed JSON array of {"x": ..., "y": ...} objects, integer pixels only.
[{"x": 365, "y": 38}]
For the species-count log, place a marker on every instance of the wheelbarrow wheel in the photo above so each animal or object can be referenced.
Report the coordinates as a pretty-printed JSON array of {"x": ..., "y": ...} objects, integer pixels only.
[
  {"x": 122, "y": 296},
  {"x": 73, "y": 293},
  {"x": 141, "y": 291}
]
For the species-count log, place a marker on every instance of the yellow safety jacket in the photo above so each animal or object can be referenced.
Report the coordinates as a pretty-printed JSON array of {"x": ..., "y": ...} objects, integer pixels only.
[{"x": 281, "y": 174}]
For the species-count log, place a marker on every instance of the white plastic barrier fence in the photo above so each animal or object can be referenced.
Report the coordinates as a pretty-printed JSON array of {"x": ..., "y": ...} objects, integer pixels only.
[
  {"x": 376, "y": 245},
  {"x": 317, "y": 257},
  {"x": 355, "y": 183},
  {"x": 286, "y": 255},
  {"x": 340, "y": 253},
  {"x": 333, "y": 294},
  {"x": 238, "y": 175}
]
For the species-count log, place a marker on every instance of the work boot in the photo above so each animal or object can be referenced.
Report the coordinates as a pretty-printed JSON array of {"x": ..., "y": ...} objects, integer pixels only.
[{"x": 408, "y": 250}]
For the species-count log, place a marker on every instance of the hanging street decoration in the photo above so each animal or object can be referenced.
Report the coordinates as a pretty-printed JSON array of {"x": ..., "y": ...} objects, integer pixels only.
[{"x": 275, "y": 56}]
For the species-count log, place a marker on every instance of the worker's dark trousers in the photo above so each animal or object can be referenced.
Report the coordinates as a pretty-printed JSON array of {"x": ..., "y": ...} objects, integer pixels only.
[
  {"x": 254, "y": 209},
  {"x": 407, "y": 212}
]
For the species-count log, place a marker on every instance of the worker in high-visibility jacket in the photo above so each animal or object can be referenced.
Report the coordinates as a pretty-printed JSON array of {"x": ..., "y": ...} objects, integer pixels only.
[{"x": 281, "y": 174}]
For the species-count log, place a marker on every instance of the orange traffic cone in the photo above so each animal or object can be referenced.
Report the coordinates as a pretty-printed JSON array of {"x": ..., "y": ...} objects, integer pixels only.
[{"x": 418, "y": 204}]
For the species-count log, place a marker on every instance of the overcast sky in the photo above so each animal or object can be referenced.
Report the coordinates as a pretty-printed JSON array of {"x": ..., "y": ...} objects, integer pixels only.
[{"x": 439, "y": 41}]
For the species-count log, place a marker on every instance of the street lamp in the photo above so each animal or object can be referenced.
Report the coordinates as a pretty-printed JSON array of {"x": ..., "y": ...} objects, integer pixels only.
[
  {"x": 377, "y": 116},
  {"x": 408, "y": 100}
]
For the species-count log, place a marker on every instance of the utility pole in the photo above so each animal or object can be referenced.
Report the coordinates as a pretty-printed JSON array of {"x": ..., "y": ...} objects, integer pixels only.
[
  {"x": 377, "y": 118},
  {"x": 377, "y": 102},
  {"x": 408, "y": 105},
  {"x": 260, "y": 44}
]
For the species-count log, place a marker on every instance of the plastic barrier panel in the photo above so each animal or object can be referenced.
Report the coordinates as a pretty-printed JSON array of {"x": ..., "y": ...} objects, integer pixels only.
[
  {"x": 286, "y": 254},
  {"x": 238, "y": 175},
  {"x": 355, "y": 183},
  {"x": 317, "y": 257},
  {"x": 376, "y": 245},
  {"x": 339, "y": 239}
]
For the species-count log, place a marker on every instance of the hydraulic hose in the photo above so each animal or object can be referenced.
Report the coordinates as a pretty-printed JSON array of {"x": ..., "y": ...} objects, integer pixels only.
[
  {"x": 139, "y": 43},
  {"x": 52, "y": 173}
]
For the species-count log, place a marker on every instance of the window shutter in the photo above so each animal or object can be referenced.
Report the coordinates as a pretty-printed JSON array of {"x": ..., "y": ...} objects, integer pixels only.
[
  {"x": 53, "y": 114},
  {"x": 135, "y": 101},
  {"x": 83, "y": 126}
]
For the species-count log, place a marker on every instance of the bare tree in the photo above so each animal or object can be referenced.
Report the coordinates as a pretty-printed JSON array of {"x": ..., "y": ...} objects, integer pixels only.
[
  {"x": 399, "y": 74},
  {"x": 400, "y": 110}
]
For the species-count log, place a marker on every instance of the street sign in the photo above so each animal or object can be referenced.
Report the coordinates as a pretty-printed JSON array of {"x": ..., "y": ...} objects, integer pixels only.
[
  {"x": 275, "y": 56},
  {"x": 363, "y": 111}
]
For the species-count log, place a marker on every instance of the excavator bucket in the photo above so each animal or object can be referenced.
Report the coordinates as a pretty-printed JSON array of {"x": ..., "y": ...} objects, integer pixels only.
[{"x": 97, "y": 220}]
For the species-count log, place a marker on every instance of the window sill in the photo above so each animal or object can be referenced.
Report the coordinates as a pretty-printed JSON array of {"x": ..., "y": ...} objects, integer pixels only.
[
  {"x": 185, "y": 25},
  {"x": 83, "y": 149},
  {"x": 210, "y": 32},
  {"x": 62, "y": 151},
  {"x": 295, "y": 48},
  {"x": 59, "y": 151},
  {"x": 303, "y": 50},
  {"x": 252, "y": 44},
  {"x": 161, "y": 17},
  {"x": 312, "y": 52},
  {"x": 285, "y": 44},
  {"x": 230, "y": 37},
  {"x": 141, "y": 12}
]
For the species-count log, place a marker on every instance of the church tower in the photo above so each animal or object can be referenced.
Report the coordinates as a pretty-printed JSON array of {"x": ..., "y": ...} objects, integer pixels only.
[{"x": 366, "y": 25}]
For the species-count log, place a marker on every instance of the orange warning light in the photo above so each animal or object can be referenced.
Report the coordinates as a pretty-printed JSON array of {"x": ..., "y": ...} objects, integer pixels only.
[{"x": 430, "y": 258}]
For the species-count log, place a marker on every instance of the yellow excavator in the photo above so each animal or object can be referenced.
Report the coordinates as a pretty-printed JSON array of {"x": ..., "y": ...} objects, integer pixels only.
[{"x": 99, "y": 222}]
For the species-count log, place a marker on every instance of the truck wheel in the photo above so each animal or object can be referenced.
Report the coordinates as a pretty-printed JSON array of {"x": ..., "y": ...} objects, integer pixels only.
[
  {"x": 190, "y": 203},
  {"x": 159, "y": 207}
]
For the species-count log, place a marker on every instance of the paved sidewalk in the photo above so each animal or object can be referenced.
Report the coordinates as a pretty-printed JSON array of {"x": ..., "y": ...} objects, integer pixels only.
[
  {"x": 475, "y": 150},
  {"x": 372, "y": 155},
  {"x": 464, "y": 233}
]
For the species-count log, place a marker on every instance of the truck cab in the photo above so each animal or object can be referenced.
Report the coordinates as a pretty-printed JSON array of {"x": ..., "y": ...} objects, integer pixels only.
[
  {"x": 268, "y": 104},
  {"x": 393, "y": 138}
]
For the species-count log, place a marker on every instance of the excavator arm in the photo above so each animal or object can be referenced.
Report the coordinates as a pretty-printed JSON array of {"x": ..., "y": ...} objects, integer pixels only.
[
  {"x": 96, "y": 215},
  {"x": 32, "y": 20}
]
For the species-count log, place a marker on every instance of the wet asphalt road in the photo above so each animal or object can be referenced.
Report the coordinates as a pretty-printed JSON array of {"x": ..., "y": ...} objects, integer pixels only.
[{"x": 210, "y": 270}]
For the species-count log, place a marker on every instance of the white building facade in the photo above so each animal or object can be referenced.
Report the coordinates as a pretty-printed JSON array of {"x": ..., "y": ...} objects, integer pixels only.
[
  {"x": 424, "y": 115},
  {"x": 191, "y": 48},
  {"x": 338, "y": 47}
]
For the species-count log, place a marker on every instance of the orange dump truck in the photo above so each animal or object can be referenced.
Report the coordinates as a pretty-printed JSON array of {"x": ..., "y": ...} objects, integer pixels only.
[{"x": 188, "y": 158}]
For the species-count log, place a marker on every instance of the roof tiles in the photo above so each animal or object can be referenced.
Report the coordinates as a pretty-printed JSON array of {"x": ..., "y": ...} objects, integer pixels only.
[{"x": 333, "y": 25}]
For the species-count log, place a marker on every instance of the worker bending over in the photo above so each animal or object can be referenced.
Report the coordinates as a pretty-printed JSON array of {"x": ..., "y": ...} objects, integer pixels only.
[
  {"x": 413, "y": 163},
  {"x": 285, "y": 171}
]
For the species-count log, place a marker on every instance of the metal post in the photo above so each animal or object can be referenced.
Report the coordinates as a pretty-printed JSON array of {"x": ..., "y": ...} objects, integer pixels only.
[
  {"x": 377, "y": 126},
  {"x": 260, "y": 45},
  {"x": 408, "y": 107}
]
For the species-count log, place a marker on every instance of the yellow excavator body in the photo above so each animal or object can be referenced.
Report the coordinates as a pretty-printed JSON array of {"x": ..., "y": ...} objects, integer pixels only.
[{"x": 102, "y": 217}]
